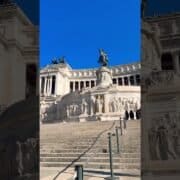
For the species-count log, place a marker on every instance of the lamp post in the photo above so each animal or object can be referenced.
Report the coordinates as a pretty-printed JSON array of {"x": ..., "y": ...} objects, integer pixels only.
[
  {"x": 117, "y": 140},
  {"x": 121, "y": 127},
  {"x": 110, "y": 158},
  {"x": 79, "y": 172}
]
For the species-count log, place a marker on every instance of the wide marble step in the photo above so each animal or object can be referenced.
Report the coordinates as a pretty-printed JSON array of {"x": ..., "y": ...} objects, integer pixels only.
[
  {"x": 77, "y": 138},
  {"x": 89, "y": 159},
  {"x": 74, "y": 154},
  {"x": 85, "y": 151},
  {"x": 92, "y": 155},
  {"x": 93, "y": 165}
]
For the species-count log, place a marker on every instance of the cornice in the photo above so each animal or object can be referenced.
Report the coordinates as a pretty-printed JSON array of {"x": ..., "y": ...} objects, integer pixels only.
[
  {"x": 163, "y": 17},
  {"x": 12, "y": 11},
  {"x": 91, "y": 73}
]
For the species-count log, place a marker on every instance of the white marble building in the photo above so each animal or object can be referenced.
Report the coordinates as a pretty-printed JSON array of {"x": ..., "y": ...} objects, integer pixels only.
[
  {"x": 18, "y": 56},
  {"x": 65, "y": 91},
  {"x": 77, "y": 79}
]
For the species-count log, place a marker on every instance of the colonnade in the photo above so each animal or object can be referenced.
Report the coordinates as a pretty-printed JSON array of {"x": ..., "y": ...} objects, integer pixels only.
[
  {"x": 133, "y": 80},
  {"x": 79, "y": 85},
  {"x": 47, "y": 85}
]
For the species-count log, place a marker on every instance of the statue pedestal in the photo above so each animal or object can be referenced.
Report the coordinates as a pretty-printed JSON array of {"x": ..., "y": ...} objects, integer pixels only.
[{"x": 104, "y": 77}]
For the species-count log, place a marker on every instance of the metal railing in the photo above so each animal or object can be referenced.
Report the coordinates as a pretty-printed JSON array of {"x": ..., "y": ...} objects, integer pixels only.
[{"x": 84, "y": 153}]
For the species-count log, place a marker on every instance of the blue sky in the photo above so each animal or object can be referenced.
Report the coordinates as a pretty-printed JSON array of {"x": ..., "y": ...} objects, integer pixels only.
[
  {"x": 76, "y": 29},
  {"x": 31, "y": 8},
  {"x": 162, "y": 7}
]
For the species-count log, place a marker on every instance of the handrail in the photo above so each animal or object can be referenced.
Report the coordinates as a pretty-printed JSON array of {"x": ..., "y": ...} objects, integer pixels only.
[
  {"x": 97, "y": 149},
  {"x": 75, "y": 160}
]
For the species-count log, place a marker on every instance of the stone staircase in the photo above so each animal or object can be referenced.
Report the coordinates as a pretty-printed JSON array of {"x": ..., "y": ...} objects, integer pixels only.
[{"x": 64, "y": 145}]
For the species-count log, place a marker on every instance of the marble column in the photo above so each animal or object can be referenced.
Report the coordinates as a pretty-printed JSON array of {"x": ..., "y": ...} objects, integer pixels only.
[
  {"x": 40, "y": 86},
  {"x": 135, "y": 82},
  {"x": 57, "y": 84},
  {"x": 176, "y": 62},
  {"x": 45, "y": 84},
  {"x": 79, "y": 85},
  {"x": 106, "y": 107},
  {"x": 129, "y": 83},
  {"x": 157, "y": 29},
  {"x": 174, "y": 27},
  {"x": 122, "y": 81},
  {"x": 73, "y": 86},
  {"x": 50, "y": 86},
  {"x": 134, "y": 114},
  {"x": 47, "y": 90},
  {"x": 92, "y": 105}
]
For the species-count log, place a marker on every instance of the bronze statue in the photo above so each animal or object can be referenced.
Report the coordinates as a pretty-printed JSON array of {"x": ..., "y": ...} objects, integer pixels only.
[
  {"x": 54, "y": 61},
  {"x": 62, "y": 60},
  {"x": 143, "y": 8},
  {"x": 103, "y": 59}
]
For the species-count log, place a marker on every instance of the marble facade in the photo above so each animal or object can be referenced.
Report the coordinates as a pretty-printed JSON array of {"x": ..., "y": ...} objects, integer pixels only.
[
  {"x": 19, "y": 104},
  {"x": 105, "y": 93},
  {"x": 160, "y": 96},
  {"x": 18, "y": 54}
]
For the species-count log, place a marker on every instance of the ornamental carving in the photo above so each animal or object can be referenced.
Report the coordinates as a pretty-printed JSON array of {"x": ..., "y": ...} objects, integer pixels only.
[
  {"x": 164, "y": 136},
  {"x": 159, "y": 78}
]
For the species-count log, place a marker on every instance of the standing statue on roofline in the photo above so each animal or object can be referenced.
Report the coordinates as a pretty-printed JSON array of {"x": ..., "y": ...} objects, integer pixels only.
[
  {"x": 103, "y": 59},
  {"x": 143, "y": 8},
  {"x": 60, "y": 60}
]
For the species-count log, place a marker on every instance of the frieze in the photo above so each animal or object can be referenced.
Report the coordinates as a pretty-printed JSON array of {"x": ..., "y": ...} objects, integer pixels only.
[
  {"x": 159, "y": 78},
  {"x": 163, "y": 137},
  {"x": 170, "y": 43}
]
